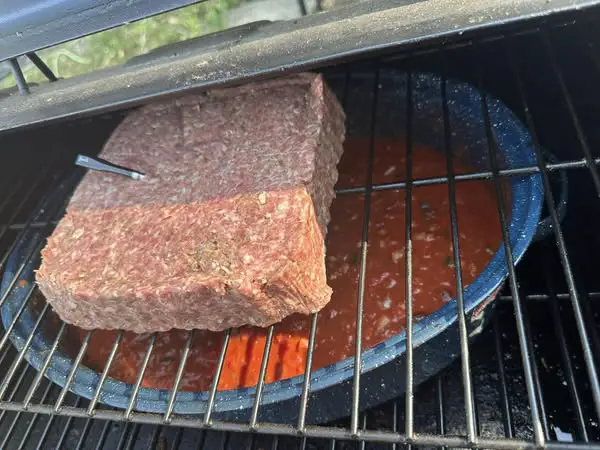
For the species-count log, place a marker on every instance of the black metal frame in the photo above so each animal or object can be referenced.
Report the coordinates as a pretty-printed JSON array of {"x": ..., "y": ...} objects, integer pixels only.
[{"x": 584, "y": 160}]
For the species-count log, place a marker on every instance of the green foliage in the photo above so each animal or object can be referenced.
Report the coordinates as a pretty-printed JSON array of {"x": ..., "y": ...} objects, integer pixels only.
[{"x": 116, "y": 46}]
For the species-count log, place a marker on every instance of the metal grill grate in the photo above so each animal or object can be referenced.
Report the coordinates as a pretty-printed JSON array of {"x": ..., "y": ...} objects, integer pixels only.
[{"x": 528, "y": 378}]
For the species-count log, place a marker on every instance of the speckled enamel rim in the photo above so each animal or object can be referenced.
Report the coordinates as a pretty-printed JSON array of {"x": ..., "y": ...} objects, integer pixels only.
[{"x": 527, "y": 197}]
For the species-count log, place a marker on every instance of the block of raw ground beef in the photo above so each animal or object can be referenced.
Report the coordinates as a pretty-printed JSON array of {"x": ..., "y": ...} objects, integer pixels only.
[{"x": 226, "y": 229}]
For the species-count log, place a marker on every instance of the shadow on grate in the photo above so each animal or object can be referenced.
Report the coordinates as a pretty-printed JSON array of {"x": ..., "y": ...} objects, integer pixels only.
[{"x": 528, "y": 381}]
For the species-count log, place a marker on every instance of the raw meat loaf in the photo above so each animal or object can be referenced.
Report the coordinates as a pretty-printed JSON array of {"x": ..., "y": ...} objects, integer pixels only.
[{"x": 228, "y": 226}]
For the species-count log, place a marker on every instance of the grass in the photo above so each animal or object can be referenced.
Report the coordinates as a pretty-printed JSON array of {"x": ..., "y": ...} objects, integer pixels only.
[{"x": 115, "y": 46}]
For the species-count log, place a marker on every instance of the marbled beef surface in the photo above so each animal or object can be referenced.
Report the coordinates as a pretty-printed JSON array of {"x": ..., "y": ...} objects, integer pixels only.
[{"x": 228, "y": 226}]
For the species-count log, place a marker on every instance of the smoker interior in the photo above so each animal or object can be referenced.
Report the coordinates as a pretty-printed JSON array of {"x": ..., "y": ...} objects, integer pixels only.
[{"x": 553, "y": 66}]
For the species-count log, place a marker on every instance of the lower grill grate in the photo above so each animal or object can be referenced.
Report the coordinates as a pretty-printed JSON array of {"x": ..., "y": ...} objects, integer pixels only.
[{"x": 529, "y": 381}]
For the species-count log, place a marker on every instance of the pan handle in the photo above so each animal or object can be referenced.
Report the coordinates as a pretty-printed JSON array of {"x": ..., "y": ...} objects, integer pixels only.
[{"x": 559, "y": 183}]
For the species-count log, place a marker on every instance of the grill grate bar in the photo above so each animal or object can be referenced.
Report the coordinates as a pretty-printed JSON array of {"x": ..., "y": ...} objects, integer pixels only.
[
  {"x": 74, "y": 368},
  {"x": 13, "y": 392},
  {"x": 365, "y": 416},
  {"x": 20, "y": 270},
  {"x": 409, "y": 396},
  {"x": 123, "y": 436},
  {"x": 47, "y": 428},
  {"x": 17, "y": 185},
  {"x": 562, "y": 248},
  {"x": 215, "y": 383},
  {"x": 26, "y": 197},
  {"x": 203, "y": 441},
  {"x": 354, "y": 417},
  {"x": 113, "y": 352},
  {"x": 307, "y": 371},
  {"x": 20, "y": 380},
  {"x": 103, "y": 435},
  {"x": 591, "y": 50},
  {"x": 178, "y": 377},
  {"x": 302, "y": 443},
  {"x": 462, "y": 324},
  {"x": 140, "y": 378},
  {"x": 318, "y": 432},
  {"x": 395, "y": 419},
  {"x": 40, "y": 375},
  {"x": 251, "y": 442},
  {"x": 313, "y": 327},
  {"x": 535, "y": 375},
  {"x": 481, "y": 175},
  {"x": 440, "y": 413},
  {"x": 11, "y": 183},
  {"x": 156, "y": 435},
  {"x": 5, "y": 353},
  {"x": 44, "y": 436},
  {"x": 35, "y": 417},
  {"x": 131, "y": 437},
  {"x": 549, "y": 51},
  {"x": 507, "y": 420},
  {"x": 588, "y": 315},
  {"x": 43, "y": 205},
  {"x": 13, "y": 323},
  {"x": 13, "y": 368},
  {"x": 10, "y": 431},
  {"x": 567, "y": 366},
  {"x": 66, "y": 428},
  {"x": 177, "y": 439},
  {"x": 512, "y": 278},
  {"x": 546, "y": 297},
  {"x": 84, "y": 434},
  {"x": 261, "y": 378}
]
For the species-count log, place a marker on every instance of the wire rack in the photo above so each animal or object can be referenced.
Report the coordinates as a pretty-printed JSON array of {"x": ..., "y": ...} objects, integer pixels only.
[{"x": 526, "y": 383}]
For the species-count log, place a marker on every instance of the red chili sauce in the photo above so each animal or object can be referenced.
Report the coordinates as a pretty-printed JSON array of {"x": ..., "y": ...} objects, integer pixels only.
[{"x": 384, "y": 301}]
